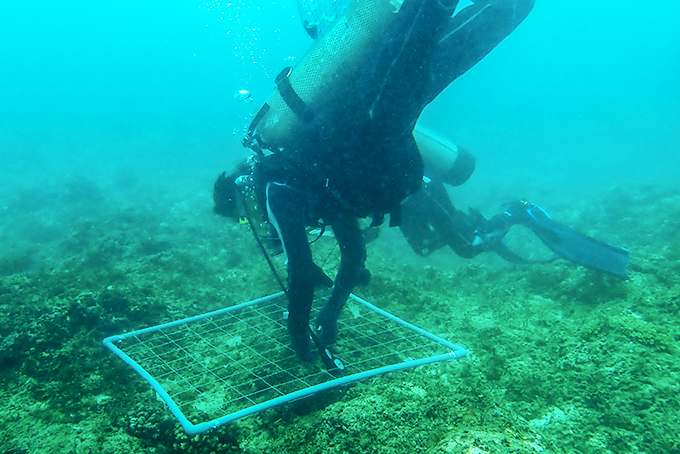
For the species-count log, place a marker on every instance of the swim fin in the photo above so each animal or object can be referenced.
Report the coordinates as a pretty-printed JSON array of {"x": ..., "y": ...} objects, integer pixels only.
[{"x": 569, "y": 243}]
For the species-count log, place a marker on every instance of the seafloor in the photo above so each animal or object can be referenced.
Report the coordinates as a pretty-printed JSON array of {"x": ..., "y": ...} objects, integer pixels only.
[{"x": 563, "y": 359}]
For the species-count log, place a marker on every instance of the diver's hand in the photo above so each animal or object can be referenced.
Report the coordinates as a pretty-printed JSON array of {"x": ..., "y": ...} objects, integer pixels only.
[{"x": 326, "y": 326}]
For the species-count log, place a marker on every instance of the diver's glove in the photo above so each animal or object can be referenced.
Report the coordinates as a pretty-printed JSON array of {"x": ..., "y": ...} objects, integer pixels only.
[{"x": 326, "y": 325}]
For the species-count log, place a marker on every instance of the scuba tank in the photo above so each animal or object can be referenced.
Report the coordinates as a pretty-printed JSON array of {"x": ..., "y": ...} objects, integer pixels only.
[
  {"x": 444, "y": 161},
  {"x": 320, "y": 78}
]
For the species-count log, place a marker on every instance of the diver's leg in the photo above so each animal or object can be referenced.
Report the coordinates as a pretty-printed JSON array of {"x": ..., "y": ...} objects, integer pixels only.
[
  {"x": 351, "y": 272},
  {"x": 404, "y": 65},
  {"x": 415, "y": 227},
  {"x": 286, "y": 210},
  {"x": 470, "y": 35},
  {"x": 452, "y": 225}
]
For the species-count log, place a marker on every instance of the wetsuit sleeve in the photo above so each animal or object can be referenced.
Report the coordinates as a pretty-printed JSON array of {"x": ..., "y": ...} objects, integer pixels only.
[
  {"x": 286, "y": 208},
  {"x": 352, "y": 270}
]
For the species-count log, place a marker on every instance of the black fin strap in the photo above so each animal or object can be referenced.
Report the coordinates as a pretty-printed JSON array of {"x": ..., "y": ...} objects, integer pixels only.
[{"x": 291, "y": 98}]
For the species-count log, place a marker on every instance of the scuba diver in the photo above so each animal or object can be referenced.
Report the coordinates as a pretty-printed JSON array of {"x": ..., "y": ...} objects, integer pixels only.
[
  {"x": 334, "y": 142},
  {"x": 429, "y": 220}
]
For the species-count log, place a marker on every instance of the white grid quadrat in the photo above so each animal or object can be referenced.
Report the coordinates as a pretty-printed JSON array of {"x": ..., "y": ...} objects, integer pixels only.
[{"x": 223, "y": 365}]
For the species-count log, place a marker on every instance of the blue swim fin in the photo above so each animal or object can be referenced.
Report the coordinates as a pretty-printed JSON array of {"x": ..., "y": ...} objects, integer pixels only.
[{"x": 568, "y": 243}]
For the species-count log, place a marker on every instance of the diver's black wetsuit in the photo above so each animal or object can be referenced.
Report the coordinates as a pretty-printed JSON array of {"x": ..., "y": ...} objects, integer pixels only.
[
  {"x": 359, "y": 158},
  {"x": 470, "y": 35},
  {"x": 429, "y": 221}
]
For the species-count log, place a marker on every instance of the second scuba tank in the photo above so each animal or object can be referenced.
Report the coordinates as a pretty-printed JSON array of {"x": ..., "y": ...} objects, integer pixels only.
[{"x": 443, "y": 160}]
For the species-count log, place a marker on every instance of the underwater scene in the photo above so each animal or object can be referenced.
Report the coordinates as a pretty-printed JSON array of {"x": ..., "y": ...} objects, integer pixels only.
[{"x": 557, "y": 265}]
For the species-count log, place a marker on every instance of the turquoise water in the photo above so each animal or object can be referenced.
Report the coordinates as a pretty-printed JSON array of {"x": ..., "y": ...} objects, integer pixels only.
[
  {"x": 115, "y": 118},
  {"x": 581, "y": 94}
]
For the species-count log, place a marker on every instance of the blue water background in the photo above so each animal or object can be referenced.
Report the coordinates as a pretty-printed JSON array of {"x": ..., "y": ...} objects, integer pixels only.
[{"x": 584, "y": 95}]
